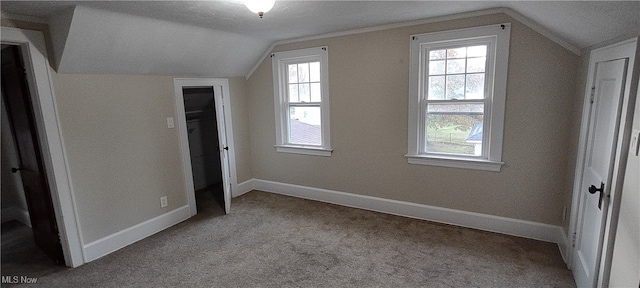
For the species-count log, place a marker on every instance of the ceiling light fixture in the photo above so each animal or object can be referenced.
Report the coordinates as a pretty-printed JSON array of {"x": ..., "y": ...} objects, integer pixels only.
[{"x": 259, "y": 6}]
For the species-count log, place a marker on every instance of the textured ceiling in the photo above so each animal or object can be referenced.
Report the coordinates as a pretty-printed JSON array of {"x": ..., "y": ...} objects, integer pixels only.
[{"x": 178, "y": 23}]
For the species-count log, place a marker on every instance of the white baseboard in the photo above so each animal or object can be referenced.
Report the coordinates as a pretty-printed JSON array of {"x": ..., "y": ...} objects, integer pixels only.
[
  {"x": 116, "y": 241},
  {"x": 503, "y": 225},
  {"x": 15, "y": 213},
  {"x": 244, "y": 187}
]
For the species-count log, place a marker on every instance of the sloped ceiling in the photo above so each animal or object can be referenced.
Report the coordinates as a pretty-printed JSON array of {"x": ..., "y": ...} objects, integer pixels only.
[
  {"x": 223, "y": 39},
  {"x": 101, "y": 41}
]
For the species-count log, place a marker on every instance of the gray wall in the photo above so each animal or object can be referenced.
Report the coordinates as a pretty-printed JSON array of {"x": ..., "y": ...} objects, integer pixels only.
[
  {"x": 241, "y": 119},
  {"x": 368, "y": 84},
  {"x": 122, "y": 157}
]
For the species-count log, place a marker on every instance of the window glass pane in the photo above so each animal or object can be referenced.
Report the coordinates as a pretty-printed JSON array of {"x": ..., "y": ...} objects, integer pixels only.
[
  {"x": 476, "y": 64},
  {"x": 293, "y": 73},
  {"x": 316, "y": 92},
  {"x": 477, "y": 51},
  {"x": 437, "y": 54},
  {"x": 303, "y": 91},
  {"x": 455, "y": 66},
  {"x": 314, "y": 71},
  {"x": 455, "y": 87},
  {"x": 436, "y": 67},
  {"x": 436, "y": 88},
  {"x": 293, "y": 93},
  {"x": 454, "y": 132},
  {"x": 475, "y": 86},
  {"x": 457, "y": 53},
  {"x": 304, "y": 125},
  {"x": 303, "y": 72}
]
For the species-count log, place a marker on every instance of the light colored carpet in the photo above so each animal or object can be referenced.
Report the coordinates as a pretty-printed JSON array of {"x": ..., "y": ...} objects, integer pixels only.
[
  {"x": 21, "y": 256},
  {"x": 276, "y": 241}
]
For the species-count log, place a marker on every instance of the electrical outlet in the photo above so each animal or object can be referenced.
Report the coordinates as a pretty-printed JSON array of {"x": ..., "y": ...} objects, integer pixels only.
[{"x": 163, "y": 202}]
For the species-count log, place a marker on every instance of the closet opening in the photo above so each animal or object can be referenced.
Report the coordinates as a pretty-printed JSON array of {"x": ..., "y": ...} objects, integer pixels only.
[{"x": 204, "y": 147}]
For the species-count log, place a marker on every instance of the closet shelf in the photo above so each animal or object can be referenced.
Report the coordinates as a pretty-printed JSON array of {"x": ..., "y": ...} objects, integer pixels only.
[{"x": 198, "y": 111}]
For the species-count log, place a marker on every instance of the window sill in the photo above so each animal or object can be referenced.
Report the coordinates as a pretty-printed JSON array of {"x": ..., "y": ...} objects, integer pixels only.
[
  {"x": 305, "y": 150},
  {"x": 455, "y": 162}
]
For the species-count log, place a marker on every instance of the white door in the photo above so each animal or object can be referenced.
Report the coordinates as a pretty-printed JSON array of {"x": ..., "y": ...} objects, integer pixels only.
[
  {"x": 602, "y": 137},
  {"x": 224, "y": 145}
]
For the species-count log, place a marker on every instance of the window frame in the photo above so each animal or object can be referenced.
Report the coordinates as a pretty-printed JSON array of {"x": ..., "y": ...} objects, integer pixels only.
[
  {"x": 280, "y": 60},
  {"x": 497, "y": 37}
]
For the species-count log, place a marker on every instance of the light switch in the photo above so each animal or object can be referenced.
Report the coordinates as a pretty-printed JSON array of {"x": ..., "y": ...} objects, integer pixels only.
[{"x": 170, "y": 123}]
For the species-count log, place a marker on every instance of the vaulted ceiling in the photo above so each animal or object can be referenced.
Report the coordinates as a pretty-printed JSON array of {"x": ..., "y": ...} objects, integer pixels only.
[{"x": 223, "y": 38}]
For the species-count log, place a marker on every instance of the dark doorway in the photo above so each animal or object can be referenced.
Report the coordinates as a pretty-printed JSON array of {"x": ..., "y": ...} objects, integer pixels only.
[
  {"x": 20, "y": 114},
  {"x": 202, "y": 129}
]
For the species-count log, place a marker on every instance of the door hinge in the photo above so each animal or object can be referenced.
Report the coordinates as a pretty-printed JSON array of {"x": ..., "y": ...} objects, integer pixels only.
[
  {"x": 593, "y": 94},
  {"x": 573, "y": 239}
]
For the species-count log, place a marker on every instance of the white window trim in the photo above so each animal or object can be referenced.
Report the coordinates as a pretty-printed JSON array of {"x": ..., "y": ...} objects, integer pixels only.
[
  {"x": 279, "y": 62},
  {"x": 493, "y": 132}
]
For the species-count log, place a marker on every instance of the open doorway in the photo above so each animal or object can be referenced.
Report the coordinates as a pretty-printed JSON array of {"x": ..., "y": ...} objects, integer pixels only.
[
  {"x": 203, "y": 108},
  {"x": 29, "y": 229},
  {"x": 37, "y": 69},
  {"x": 204, "y": 147}
]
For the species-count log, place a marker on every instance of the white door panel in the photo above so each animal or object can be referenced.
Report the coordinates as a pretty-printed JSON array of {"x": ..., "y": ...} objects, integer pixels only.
[
  {"x": 597, "y": 173},
  {"x": 224, "y": 147}
]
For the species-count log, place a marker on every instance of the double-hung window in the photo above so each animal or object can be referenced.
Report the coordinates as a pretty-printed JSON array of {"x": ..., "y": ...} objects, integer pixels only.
[
  {"x": 300, "y": 79},
  {"x": 457, "y": 97}
]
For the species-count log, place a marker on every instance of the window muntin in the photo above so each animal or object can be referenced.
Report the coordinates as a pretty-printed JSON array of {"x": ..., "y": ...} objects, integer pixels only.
[
  {"x": 457, "y": 97},
  {"x": 301, "y": 101}
]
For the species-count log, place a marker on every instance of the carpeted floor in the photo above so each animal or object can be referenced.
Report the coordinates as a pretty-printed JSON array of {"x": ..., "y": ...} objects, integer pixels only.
[
  {"x": 271, "y": 240},
  {"x": 21, "y": 256}
]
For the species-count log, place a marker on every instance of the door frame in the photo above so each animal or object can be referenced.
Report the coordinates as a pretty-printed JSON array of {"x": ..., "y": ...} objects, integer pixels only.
[
  {"x": 33, "y": 48},
  {"x": 226, "y": 125},
  {"x": 620, "y": 50}
]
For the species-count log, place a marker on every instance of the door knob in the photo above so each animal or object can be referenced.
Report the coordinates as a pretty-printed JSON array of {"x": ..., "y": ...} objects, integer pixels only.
[
  {"x": 14, "y": 170},
  {"x": 593, "y": 189}
]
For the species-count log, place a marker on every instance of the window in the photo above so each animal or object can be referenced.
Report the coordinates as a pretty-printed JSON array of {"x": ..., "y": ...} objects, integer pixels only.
[
  {"x": 300, "y": 80},
  {"x": 457, "y": 97}
]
